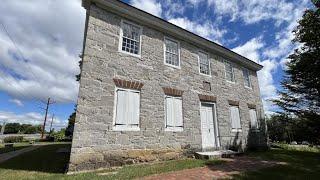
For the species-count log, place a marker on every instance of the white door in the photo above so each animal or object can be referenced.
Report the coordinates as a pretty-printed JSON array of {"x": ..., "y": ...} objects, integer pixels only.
[{"x": 208, "y": 132}]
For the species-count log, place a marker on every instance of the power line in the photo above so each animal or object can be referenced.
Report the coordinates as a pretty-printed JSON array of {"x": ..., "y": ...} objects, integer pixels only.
[{"x": 13, "y": 42}]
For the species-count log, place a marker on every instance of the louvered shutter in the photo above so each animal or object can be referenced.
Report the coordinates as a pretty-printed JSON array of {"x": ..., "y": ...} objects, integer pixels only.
[
  {"x": 121, "y": 107},
  {"x": 134, "y": 101},
  {"x": 235, "y": 117},
  {"x": 178, "y": 112},
  {"x": 253, "y": 118},
  {"x": 169, "y": 112}
]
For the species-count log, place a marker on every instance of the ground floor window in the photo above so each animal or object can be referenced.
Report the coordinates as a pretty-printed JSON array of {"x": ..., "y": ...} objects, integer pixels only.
[{"x": 173, "y": 108}]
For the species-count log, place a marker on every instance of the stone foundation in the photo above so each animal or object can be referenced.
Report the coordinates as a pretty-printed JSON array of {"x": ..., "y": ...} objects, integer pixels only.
[{"x": 95, "y": 160}]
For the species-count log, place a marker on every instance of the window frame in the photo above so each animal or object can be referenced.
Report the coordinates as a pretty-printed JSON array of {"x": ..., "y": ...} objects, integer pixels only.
[
  {"x": 121, "y": 38},
  {"x": 249, "y": 78},
  {"x": 124, "y": 128},
  {"x": 176, "y": 128},
  {"x": 235, "y": 129},
  {"x": 209, "y": 70},
  {"x": 164, "y": 52},
  {"x": 233, "y": 73}
]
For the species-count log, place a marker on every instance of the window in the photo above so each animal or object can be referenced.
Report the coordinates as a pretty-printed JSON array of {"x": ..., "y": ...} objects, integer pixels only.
[
  {"x": 229, "y": 71},
  {"x": 235, "y": 118},
  {"x": 246, "y": 76},
  {"x": 172, "y": 51},
  {"x": 130, "y": 38},
  {"x": 253, "y": 119},
  {"x": 204, "y": 64},
  {"x": 173, "y": 109},
  {"x": 127, "y": 109}
]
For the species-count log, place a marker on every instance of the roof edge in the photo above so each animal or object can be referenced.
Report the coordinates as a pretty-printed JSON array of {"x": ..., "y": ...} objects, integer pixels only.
[{"x": 145, "y": 18}]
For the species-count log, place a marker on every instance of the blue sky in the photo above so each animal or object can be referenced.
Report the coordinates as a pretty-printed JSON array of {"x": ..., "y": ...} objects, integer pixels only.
[{"x": 39, "y": 57}]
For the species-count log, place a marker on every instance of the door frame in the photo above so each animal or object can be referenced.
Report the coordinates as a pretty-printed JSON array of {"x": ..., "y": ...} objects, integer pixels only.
[{"x": 215, "y": 123}]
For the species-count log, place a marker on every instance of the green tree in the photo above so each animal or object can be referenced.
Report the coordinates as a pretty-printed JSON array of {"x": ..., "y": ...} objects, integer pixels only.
[
  {"x": 301, "y": 85},
  {"x": 12, "y": 128},
  {"x": 70, "y": 127},
  {"x": 301, "y": 94}
]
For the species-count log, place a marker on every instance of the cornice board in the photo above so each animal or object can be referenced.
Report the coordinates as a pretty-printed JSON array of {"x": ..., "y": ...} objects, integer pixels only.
[{"x": 146, "y": 19}]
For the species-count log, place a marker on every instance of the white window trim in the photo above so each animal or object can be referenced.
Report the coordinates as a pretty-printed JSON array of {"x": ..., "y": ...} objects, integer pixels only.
[
  {"x": 121, "y": 38},
  {"x": 208, "y": 75},
  {"x": 225, "y": 72},
  {"x": 236, "y": 129},
  {"x": 119, "y": 127},
  {"x": 164, "y": 52},
  {"x": 172, "y": 129},
  {"x": 249, "y": 87}
]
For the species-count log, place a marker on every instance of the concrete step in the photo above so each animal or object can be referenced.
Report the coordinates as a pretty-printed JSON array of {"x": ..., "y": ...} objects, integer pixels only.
[{"x": 215, "y": 154}]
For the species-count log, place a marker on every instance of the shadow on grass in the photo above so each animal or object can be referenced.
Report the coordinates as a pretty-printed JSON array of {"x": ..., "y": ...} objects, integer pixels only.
[
  {"x": 44, "y": 159},
  {"x": 299, "y": 165}
]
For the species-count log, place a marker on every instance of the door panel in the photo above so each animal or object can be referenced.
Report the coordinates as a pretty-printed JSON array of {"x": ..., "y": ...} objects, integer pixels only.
[{"x": 207, "y": 125}]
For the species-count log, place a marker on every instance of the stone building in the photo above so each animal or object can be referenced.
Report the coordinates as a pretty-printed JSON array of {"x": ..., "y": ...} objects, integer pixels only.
[{"x": 150, "y": 91}]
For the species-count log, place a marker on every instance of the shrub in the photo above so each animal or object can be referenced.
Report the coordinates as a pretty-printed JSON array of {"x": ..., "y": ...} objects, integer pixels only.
[{"x": 13, "y": 139}]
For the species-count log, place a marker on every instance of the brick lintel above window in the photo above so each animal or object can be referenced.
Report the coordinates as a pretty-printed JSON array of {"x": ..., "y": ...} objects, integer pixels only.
[
  {"x": 207, "y": 98},
  {"x": 251, "y": 106},
  {"x": 233, "y": 103},
  {"x": 128, "y": 84},
  {"x": 172, "y": 92}
]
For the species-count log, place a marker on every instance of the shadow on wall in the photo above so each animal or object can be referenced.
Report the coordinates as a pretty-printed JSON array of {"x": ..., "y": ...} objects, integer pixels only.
[{"x": 256, "y": 139}]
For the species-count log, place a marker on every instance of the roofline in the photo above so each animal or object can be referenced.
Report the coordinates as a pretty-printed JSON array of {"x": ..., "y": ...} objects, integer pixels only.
[{"x": 134, "y": 14}]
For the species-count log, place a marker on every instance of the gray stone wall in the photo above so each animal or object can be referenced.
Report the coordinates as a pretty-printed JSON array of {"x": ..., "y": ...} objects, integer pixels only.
[{"x": 93, "y": 135}]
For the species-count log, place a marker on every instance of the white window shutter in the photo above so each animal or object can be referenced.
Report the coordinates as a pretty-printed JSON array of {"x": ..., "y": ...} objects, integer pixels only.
[
  {"x": 178, "y": 112},
  {"x": 235, "y": 117},
  {"x": 169, "y": 112},
  {"x": 134, "y": 108},
  {"x": 253, "y": 118},
  {"x": 121, "y": 107}
]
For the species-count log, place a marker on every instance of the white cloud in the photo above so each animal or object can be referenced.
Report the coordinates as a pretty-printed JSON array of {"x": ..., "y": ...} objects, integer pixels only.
[
  {"x": 252, "y": 50},
  {"x": 49, "y": 34},
  {"x": 150, "y": 6},
  {"x": 33, "y": 118},
  {"x": 252, "y": 11},
  {"x": 205, "y": 29},
  {"x": 16, "y": 102}
]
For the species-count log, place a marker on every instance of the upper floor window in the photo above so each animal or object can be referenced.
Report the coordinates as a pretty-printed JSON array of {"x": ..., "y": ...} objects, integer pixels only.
[
  {"x": 172, "y": 56},
  {"x": 246, "y": 76},
  {"x": 127, "y": 109},
  {"x": 229, "y": 71},
  {"x": 204, "y": 64},
  {"x": 173, "y": 107},
  {"x": 130, "y": 39}
]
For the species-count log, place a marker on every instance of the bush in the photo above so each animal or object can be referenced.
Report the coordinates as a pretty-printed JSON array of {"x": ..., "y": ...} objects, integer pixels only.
[{"x": 13, "y": 139}]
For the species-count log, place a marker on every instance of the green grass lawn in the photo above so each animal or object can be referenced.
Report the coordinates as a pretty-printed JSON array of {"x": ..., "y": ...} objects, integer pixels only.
[
  {"x": 300, "y": 164},
  {"x": 45, "y": 163},
  {"x": 15, "y": 147}
]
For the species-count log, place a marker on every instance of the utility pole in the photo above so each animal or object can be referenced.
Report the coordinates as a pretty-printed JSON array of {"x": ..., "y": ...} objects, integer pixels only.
[
  {"x": 51, "y": 123},
  {"x": 45, "y": 117}
]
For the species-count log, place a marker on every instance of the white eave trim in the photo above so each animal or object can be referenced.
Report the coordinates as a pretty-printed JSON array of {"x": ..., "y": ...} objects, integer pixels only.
[{"x": 144, "y": 18}]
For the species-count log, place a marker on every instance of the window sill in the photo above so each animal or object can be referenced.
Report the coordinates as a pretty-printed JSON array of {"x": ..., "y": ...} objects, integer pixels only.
[
  {"x": 174, "y": 129},
  {"x": 255, "y": 130},
  {"x": 206, "y": 75},
  {"x": 236, "y": 130},
  {"x": 119, "y": 128},
  {"x": 170, "y": 65},
  {"x": 231, "y": 82},
  {"x": 250, "y": 88},
  {"x": 130, "y": 54}
]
